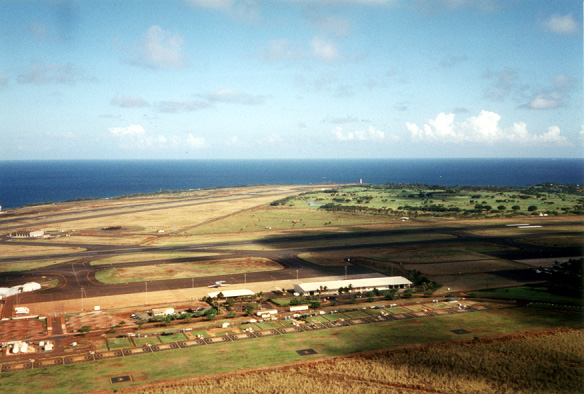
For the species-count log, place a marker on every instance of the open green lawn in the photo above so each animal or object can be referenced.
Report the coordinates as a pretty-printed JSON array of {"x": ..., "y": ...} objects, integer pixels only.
[
  {"x": 118, "y": 343},
  {"x": 530, "y": 293},
  {"x": 279, "y": 218},
  {"x": 179, "y": 336},
  {"x": 203, "y": 360},
  {"x": 152, "y": 340},
  {"x": 400, "y": 200}
]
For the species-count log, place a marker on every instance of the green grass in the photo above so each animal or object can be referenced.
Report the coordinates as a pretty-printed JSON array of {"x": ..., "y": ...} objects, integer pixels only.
[
  {"x": 268, "y": 324},
  {"x": 204, "y": 360},
  {"x": 356, "y": 314},
  {"x": 281, "y": 218},
  {"x": 179, "y": 336},
  {"x": 129, "y": 258},
  {"x": 153, "y": 340},
  {"x": 28, "y": 265},
  {"x": 184, "y": 270},
  {"x": 118, "y": 343},
  {"x": 530, "y": 293},
  {"x": 286, "y": 301}
]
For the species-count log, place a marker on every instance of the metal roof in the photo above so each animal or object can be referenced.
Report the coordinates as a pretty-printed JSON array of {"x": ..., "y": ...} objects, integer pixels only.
[
  {"x": 356, "y": 283},
  {"x": 232, "y": 293}
]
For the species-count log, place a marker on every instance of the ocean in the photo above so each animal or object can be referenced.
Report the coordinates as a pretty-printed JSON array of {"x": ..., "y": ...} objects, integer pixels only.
[{"x": 33, "y": 182}]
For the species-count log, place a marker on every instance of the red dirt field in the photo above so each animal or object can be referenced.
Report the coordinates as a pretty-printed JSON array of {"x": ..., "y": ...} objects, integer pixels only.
[{"x": 13, "y": 330}]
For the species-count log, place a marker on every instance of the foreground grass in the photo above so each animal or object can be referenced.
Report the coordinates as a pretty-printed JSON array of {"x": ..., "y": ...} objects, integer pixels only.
[
  {"x": 547, "y": 364},
  {"x": 269, "y": 351}
]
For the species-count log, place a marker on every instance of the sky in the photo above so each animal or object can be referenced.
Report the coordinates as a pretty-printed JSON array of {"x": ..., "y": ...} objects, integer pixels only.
[{"x": 245, "y": 79}]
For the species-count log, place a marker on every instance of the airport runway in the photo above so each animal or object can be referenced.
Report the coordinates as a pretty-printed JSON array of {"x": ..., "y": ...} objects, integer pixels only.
[{"x": 77, "y": 276}]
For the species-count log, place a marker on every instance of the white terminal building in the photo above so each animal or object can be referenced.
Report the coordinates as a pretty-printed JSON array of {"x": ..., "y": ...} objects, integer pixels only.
[
  {"x": 233, "y": 293},
  {"x": 366, "y": 284}
]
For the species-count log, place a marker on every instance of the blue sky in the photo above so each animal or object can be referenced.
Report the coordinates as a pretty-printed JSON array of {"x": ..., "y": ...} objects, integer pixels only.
[{"x": 204, "y": 79}]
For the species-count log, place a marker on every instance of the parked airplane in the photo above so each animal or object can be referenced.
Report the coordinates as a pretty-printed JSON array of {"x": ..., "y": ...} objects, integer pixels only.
[{"x": 219, "y": 284}]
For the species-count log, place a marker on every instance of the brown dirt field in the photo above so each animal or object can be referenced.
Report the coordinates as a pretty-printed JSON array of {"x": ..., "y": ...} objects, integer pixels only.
[
  {"x": 97, "y": 320},
  {"x": 12, "y": 330}
]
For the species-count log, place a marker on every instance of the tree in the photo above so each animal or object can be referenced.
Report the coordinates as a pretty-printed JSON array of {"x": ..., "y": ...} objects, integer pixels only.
[
  {"x": 315, "y": 304},
  {"x": 210, "y": 313},
  {"x": 516, "y": 208},
  {"x": 501, "y": 207},
  {"x": 532, "y": 208}
]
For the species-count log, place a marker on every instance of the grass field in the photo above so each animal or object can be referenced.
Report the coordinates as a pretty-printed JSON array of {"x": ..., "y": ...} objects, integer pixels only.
[
  {"x": 28, "y": 265},
  {"x": 547, "y": 364},
  {"x": 130, "y": 258},
  {"x": 276, "y": 350},
  {"x": 185, "y": 270},
  {"x": 530, "y": 293}
]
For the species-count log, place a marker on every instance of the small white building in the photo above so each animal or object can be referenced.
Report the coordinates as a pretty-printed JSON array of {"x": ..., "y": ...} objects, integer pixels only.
[
  {"x": 298, "y": 308},
  {"x": 162, "y": 312},
  {"x": 28, "y": 234},
  {"x": 267, "y": 312},
  {"x": 366, "y": 284}
]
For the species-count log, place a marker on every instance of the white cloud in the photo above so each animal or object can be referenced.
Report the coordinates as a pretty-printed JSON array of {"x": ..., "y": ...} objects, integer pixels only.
[
  {"x": 371, "y": 134},
  {"x": 504, "y": 84},
  {"x": 281, "y": 49},
  {"x": 176, "y": 106},
  {"x": 272, "y": 139},
  {"x": 564, "y": 82},
  {"x": 562, "y": 24},
  {"x": 545, "y": 101},
  {"x": 231, "y": 96},
  {"x": 196, "y": 142},
  {"x": 483, "y": 128},
  {"x": 222, "y": 5},
  {"x": 324, "y": 50},
  {"x": 41, "y": 73},
  {"x": 128, "y": 130},
  {"x": 129, "y": 101},
  {"x": 160, "y": 49},
  {"x": 340, "y": 120},
  {"x": 332, "y": 24},
  {"x": 244, "y": 10}
]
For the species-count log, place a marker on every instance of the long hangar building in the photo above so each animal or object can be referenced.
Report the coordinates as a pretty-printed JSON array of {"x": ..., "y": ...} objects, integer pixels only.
[{"x": 367, "y": 284}]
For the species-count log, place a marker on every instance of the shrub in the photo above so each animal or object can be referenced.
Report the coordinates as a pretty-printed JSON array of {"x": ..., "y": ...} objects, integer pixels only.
[{"x": 315, "y": 304}]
